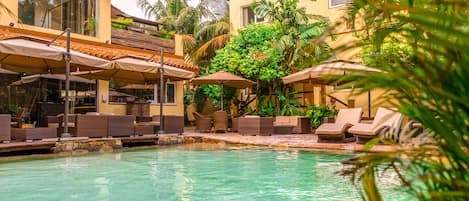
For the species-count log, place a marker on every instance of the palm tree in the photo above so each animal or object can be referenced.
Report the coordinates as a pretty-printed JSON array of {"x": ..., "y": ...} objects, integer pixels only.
[
  {"x": 208, "y": 37},
  {"x": 432, "y": 88},
  {"x": 176, "y": 14},
  {"x": 297, "y": 32}
]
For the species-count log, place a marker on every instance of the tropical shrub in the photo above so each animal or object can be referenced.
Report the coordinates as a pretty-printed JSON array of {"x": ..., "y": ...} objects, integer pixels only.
[
  {"x": 431, "y": 88},
  {"x": 317, "y": 114}
]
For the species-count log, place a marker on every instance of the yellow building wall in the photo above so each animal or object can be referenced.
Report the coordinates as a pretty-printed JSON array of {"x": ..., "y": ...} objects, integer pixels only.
[
  {"x": 104, "y": 106},
  {"x": 377, "y": 99},
  {"x": 343, "y": 36},
  {"x": 104, "y": 21},
  {"x": 318, "y": 7}
]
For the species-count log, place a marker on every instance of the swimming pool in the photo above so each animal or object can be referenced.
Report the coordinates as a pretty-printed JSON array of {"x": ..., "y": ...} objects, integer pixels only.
[{"x": 187, "y": 172}]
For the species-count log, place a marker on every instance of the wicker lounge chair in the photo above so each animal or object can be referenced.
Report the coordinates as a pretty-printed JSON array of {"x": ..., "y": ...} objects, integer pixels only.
[
  {"x": 255, "y": 125},
  {"x": 338, "y": 131},
  {"x": 220, "y": 121},
  {"x": 384, "y": 120},
  {"x": 5, "y": 128},
  {"x": 202, "y": 123}
]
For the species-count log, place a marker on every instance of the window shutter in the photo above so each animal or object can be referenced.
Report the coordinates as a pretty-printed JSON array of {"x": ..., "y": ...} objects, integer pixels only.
[{"x": 334, "y": 3}]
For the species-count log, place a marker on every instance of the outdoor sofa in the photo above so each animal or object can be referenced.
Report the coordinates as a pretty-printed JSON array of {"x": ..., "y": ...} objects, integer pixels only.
[
  {"x": 172, "y": 123},
  {"x": 255, "y": 125},
  {"x": 338, "y": 131},
  {"x": 29, "y": 134},
  {"x": 120, "y": 125},
  {"x": 5, "y": 128},
  {"x": 298, "y": 124}
]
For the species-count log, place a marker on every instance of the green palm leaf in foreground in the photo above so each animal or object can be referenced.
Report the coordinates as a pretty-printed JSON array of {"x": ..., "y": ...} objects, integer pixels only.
[{"x": 431, "y": 87}]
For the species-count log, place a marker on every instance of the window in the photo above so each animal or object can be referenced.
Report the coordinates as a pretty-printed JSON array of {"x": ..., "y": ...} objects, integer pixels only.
[
  {"x": 249, "y": 16},
  {"x": 78, "y": 15},
  {"x": 170, "y": 97},
  {"x": 337, "y": 3}
]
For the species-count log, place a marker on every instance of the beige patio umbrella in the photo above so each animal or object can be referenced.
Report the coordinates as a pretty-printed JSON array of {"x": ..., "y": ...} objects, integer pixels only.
[
  {"x": 35, "y": 56},
  {"x": 321, "y": 74},
  {"x": 139, "y": 86},
  {"x": 134, "y": 70},
  {"x": 3, "y": 71},
  {"x": 34, "y": 78},
  {"x": 224, "y": 79}
]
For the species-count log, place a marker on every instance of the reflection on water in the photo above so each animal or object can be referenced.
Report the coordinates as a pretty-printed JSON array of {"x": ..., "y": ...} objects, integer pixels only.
[{"x": 186, "y": 173}]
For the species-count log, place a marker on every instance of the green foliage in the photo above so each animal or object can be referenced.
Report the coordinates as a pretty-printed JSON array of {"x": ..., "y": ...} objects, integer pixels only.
[
  {"x": 176, "y": 15},
  {"x": 430, "y": 86},
  {"x": 214, "y": 92},
  {"x": 199, "y": 99},
  {"x": 121, "y": 23},
  {"x": 390, "y": 51},
  {"x": 317, "y": 114},
  {"x": 250, "y": 54},
  {"x": 298, "y": 32},
  {"x": 266, "y": 109},
  {"x": 9, "y": 109},
  {"x": 288, "y": 104},
  {"x": 188, "y": 97},
  {"x": 89, "y": 26}
]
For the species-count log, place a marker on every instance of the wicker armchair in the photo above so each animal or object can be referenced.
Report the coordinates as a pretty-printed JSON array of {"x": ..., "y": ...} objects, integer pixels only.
[
  {"x": 220, "y": 121},
  {"x": 202, "y": 123}
]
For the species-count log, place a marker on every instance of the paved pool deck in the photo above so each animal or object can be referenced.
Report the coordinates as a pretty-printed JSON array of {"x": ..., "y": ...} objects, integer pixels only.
[
  {"x": 301, "y": 141},
  {"x": 289, "y": 141}
]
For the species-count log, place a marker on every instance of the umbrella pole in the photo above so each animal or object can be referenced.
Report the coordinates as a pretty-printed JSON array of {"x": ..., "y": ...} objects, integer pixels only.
[
  {"x": 222, "y": 90},
  {"x": 162, "y": 87},
  {"x": 66, "y": 134},
  {"x": 369, "y": 103}
]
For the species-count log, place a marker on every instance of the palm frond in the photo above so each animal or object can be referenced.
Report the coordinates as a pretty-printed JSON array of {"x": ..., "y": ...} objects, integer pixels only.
[
  {"x": 211, "y": 46},
  {"x": 421, "y": 46}
]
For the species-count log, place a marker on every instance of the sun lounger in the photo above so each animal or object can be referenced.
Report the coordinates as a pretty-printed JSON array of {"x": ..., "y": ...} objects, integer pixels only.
[
  {"x": 384, "y": 120},
  {"x": 338, "y": 131}
]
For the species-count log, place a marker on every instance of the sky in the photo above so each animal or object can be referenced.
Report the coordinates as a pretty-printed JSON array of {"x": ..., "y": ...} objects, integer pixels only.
[{"x": 130, "y": 7}]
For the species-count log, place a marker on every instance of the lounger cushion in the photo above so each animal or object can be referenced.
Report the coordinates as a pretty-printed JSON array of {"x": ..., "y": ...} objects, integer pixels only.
[
  {"x": 283, "y": 120},
  {"x": 362, "y": 129},
  {"x": 331, "y": 129}
]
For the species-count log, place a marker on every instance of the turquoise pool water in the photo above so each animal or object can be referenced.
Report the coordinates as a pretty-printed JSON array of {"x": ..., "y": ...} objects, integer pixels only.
[{"x": 185, "y": 173}]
